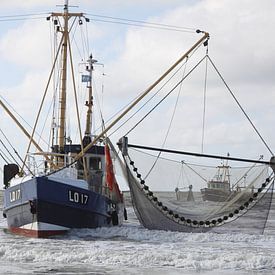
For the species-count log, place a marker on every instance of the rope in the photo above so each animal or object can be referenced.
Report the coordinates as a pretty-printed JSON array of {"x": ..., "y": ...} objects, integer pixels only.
[
  {"x": 204, "y": 101},
  {"x": 4, "y": 157},
  {"x": 14, "y": 152},
  {"x": 170, "y": 124},
  {"x": 242, "y": 109},
  {"x": 9, "y": 152},
  {"x": 11, "y": 107},
  {"x": 41, "y": 104},
  {"x": 245, "y": 173},
  {"x": 20, "y": 19},
  {"x": 6, "y": 138},
  {"x": 143, "y": 22},
  {"x": 87, "y": 37},
  {"x": 139, "y": 23},
  {"x": 179, "y": 83},
  {"x": 99, "y": 109},
  {"x": 77, "y": 109},
  {"x": 194, "y": 171},
  {"x": 143, "y": 105},
  {"x": 188, "y": 57}
]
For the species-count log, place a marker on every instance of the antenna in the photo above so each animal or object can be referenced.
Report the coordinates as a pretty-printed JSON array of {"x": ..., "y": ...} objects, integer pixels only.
[{"x": 66, "y": 5}]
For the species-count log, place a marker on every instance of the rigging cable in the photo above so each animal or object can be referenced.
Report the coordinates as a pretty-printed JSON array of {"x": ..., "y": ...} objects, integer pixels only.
[
  {"x": 23, "y": 15},
  {"x": 87, "y": 37},
  {"x": 245, "y": 173},
  {"x": 166, "y": 96},
  {"x": 183, "y": 175},
  {"x": 147, "y": 100},
  {"x": 170, "y": 123},
  {"x": 6, "y": 138},
  {"x": 242, "y": 109},
  {"x": 189, "y": 163},
  {"x": 7, "y": 103},
  {"x": 72, "y": 38},
  {"x": 10, "y": 154},
  {"x": 53, "y": 36},
  {"x": 45, "y": 121},
  {"x": 4, "y": 157},
  {"x": 139, "y": 23},
  {"x": 42, "y": 101},
  {"x": 204, "y": 101},
  {"x": 15, "y": 152},
  {"x": 7, "y": 18},
  {"x": 133, "y": 100},
  {"x": 84, "y": 38},
  {"x": 104, "y": 19},
  {"x": 193, "y": 170}
]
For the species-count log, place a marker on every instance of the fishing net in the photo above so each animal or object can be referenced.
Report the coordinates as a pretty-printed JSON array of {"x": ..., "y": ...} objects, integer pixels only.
[
  {"x": 219, "y": 198},
  {"x": 213, "y": 195}
]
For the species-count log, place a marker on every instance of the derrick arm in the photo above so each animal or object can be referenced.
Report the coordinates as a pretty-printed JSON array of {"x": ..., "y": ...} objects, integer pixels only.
[
  {"x": 24, "y": 131},
  {"x": 147, "y": 91}
]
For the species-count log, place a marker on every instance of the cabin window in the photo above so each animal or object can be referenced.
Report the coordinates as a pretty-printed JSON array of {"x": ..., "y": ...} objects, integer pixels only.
[{"x": 95, "y": 163}]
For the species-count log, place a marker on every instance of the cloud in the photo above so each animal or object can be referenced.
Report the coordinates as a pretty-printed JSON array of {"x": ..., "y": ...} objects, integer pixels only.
[
  {"x": 27, "y": 45},
  {"x": 10, "y": 5},
  {"x": 239, "y": 32},
  {"x": 240, "y": 45}
]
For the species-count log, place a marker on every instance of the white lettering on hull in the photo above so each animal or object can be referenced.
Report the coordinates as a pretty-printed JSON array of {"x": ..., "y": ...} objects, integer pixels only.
[
  {"x": 78, "y": 197},
  {"x": 15, "y": 195}
]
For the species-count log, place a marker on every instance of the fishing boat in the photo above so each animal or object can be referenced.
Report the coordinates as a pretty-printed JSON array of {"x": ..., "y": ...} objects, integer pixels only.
[
  {"x": 75, "y": 186},
  {"x": 219, "y": 188}
]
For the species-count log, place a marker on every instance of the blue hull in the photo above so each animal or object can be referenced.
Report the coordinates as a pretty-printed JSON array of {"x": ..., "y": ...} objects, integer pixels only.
[{"x": 54, "y": 208}]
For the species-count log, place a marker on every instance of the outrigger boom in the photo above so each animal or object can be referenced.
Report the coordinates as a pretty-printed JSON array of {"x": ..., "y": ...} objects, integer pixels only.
[{"x": 202, "y": 40}]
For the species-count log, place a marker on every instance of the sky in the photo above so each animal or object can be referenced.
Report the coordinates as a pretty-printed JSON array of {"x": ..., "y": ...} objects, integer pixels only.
[{"x": 241, "y": 46}]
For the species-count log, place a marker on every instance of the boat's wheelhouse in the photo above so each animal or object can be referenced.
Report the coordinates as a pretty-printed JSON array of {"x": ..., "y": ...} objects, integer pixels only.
[
  {"x": 219, "y": 185},
  {"x": 95, "y": 165}
]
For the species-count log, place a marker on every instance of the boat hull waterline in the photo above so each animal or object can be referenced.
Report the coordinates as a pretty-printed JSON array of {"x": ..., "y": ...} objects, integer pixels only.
[{"x": 43, "y": 207}]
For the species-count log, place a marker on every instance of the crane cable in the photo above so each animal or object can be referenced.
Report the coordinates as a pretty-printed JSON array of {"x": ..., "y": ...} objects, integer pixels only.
[
  {"x": 242, "y": 109},
  {"x": 204, "y": 101}
]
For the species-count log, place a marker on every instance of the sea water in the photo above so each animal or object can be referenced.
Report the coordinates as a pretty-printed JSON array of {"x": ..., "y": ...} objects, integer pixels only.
[{"x": 132, "y": 249}]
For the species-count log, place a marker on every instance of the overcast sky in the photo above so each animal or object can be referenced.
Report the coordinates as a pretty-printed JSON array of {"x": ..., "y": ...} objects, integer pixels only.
[{"x": 241, "y": 45}]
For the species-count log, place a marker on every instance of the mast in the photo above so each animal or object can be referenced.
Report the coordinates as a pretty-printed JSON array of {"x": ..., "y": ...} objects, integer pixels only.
[
  {"x": 63, "y": 87},
  {"x": 89, "y": 103},
  {"x": 65, "y": 29},
  {"x": 61, "y": 21},
  {"x": 203, "y": 39}
]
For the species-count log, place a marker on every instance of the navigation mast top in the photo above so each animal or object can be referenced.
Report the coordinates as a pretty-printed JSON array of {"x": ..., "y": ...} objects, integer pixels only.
[{"x": 64, "y": 30}]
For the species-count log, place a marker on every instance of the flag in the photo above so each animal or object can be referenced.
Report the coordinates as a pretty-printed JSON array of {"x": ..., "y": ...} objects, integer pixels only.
[
  {"x": 110, "y": 176},
  {"x": 86, "y": 78}
]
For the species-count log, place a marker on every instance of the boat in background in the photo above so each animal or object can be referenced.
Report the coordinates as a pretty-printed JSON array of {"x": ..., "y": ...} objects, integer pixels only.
[
  {"x": 75, "y": 188},
  {"x": 187, "y": 195},
  {"x": 219, "y": 188}
]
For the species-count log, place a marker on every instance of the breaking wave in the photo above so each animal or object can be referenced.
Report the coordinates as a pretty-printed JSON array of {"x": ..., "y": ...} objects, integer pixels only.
[{"x": 137, "y": 250}]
